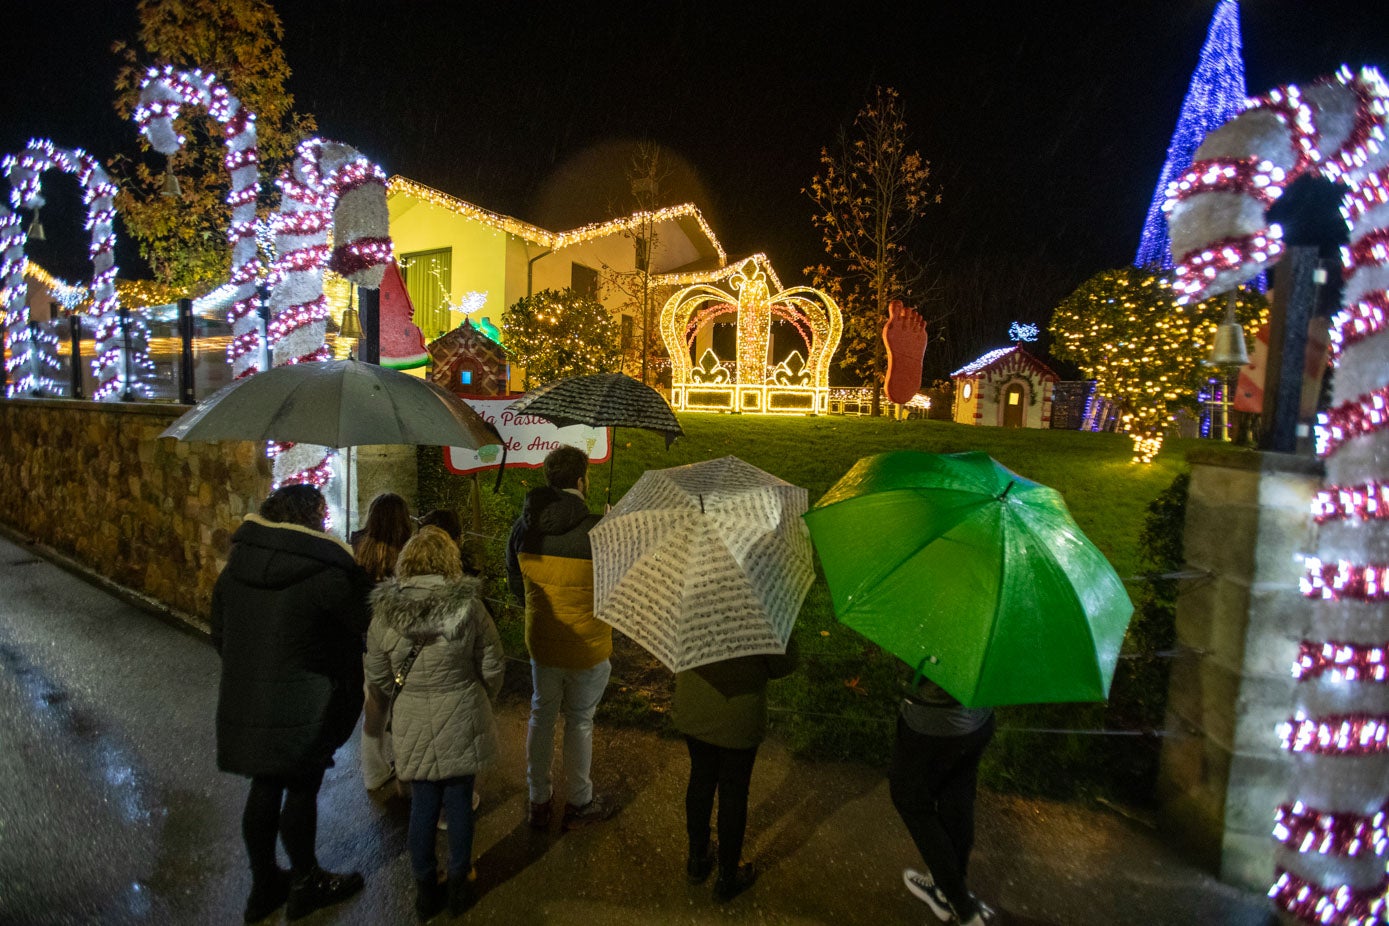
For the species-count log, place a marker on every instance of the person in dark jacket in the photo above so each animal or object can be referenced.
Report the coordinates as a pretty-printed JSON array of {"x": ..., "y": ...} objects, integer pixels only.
[
  {"x": 550, "y": 571},
  {"x": 932, "y": 780},
  {"x": 721, "y": 708},
  {"x": 288, "y": 615}
]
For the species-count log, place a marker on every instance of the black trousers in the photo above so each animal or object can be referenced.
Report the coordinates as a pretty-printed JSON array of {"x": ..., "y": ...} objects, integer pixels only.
[
  {"x": 727, "y": 772},
  {"x": 287, "y": 807},
  {"x": 932, "y": 781}
]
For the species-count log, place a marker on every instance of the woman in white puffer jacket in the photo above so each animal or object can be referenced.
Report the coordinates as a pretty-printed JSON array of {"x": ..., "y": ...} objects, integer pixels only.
[{"x": 442, "y": 727}]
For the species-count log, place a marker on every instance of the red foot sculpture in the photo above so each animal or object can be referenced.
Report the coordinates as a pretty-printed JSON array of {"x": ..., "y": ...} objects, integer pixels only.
[{"x": 905, "y": 337}]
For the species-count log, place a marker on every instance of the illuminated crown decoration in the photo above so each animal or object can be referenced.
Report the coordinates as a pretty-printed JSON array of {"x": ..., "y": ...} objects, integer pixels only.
[{"x": 798, "y": 385}]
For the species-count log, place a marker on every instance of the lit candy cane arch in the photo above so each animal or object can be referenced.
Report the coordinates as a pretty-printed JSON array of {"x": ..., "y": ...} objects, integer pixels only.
[
  {"x": 163, "y": 93},
  {"x": 122, "y": 366},
  {"x": 28, "y": 366},
  {"x": 1332, "y": 835},
  {"x": 328, "y": 184}
]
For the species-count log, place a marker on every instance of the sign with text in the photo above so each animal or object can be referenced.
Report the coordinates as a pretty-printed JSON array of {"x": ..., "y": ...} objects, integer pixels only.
[{"x": 528, "y": 438}]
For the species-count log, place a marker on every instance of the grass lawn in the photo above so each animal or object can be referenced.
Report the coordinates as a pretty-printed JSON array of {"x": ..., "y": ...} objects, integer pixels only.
[{"x": 842, "y": 702}]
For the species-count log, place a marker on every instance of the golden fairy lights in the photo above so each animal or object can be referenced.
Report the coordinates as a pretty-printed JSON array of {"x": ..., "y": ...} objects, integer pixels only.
[
  {"x": 554, "y": 240},
  {"x": 1125, "y": 330},
  {"x": 754, "y": 388}
]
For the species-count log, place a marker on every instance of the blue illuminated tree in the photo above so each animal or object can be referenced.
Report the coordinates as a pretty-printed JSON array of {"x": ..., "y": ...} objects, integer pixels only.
[{"x": 1215, "y": 95}]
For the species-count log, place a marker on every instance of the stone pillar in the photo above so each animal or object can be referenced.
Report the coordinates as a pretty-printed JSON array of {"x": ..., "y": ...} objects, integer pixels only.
[
  {"x": 1222, "y": 774},
  {"x": 386, "y": 468}
]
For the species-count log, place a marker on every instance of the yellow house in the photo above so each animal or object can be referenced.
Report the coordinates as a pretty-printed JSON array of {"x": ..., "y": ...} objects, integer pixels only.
[{"x": 463, "y": 261}]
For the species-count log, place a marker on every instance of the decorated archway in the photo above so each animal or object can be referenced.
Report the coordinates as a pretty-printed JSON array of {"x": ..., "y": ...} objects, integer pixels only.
[{"x": 798, "y": 385}]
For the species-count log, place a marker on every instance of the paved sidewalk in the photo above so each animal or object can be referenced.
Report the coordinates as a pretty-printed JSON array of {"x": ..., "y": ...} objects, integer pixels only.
[{"x": 113, "y": 811}]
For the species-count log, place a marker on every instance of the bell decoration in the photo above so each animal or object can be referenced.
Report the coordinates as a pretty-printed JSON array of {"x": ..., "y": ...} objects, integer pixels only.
[
  {"x": 36, "y": 229},
  {"x": 1229, "y": 350},
  {"x": 171, "y": 188},
  {"x": 351, "y": 326}
]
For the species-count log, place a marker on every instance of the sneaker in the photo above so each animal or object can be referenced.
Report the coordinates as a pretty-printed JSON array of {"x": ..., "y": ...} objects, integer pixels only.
[
  {"x": 595, "y": 811},
  {"x": 729, "y": 886},
  {"x": 267, "y": 896},
  {"x": 924, "y": 888},
  {"x": 539, "y": 817},
  {"x": 984, "y": 914},
  {"x": 319, "y": 889},
  {"x": 699, "y": 865}
]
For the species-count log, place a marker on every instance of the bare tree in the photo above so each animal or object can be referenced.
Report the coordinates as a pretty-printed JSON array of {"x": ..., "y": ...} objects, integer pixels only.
[{"x": 869, "y": 193}]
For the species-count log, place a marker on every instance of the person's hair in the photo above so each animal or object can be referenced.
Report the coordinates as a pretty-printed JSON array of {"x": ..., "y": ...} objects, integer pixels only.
[
  {"x": 429, "y": 553},
  {"x": 295, "y": 504},
  {"x": 445, "y": 520},
  {"x": 385, "y": 532},
  {"x": 565, "y": 466}
]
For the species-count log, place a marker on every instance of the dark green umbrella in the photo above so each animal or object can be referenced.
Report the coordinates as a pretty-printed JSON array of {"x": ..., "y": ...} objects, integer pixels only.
[{"x": 973, "y": 575}]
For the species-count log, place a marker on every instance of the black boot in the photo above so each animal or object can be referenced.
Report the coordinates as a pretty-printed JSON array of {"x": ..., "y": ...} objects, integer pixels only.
[
  {"x": 731, "y": 884},
  {"x": 268, "y": 894},
  {"x": 699, "y": 864},
  {"x": 319, "y": 889},
  {"x": 462, "y": 892},
  {"x": 429, "y": 897}
]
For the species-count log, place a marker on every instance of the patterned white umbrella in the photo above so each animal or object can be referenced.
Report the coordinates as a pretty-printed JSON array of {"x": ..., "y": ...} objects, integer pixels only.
[{"x": 704, "y": 562}]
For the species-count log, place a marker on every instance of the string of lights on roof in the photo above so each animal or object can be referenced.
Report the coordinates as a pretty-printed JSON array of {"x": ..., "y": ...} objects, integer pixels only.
[{"x": 555, "y": 240}]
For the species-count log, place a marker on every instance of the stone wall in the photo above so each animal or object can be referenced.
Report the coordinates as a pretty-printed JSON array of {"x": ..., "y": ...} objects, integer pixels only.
[
  {"x": 1222, "y": 772},
  {"x": 93, "y": 481}
]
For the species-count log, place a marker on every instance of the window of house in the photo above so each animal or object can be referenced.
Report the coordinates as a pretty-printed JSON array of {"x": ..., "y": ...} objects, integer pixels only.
[
  {"x": 429, "y": 280},
  {"x": 583, "y": 280}
]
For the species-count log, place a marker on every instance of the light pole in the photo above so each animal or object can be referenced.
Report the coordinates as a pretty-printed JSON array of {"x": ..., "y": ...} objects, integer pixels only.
[{"x": 1228, "y": 354}]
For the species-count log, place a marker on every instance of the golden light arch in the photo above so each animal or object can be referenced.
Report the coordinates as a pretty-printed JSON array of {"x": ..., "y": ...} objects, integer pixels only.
[{"x": 798, "y": 385}]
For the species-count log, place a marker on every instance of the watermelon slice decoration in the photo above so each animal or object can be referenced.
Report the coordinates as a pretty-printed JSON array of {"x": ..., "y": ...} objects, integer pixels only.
[{"x": 402, "y": 342}]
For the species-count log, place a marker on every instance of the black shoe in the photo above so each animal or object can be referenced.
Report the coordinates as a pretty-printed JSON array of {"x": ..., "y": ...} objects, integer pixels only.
[
  {"x": 319, "y": 889},
  {"x": 699, "y": 865},
  {"x": 429, "y": 898},
  {"x": 729, "y": 886},
  {"x": 267, "y": 896},
  {"x": 462, "y": 892}
]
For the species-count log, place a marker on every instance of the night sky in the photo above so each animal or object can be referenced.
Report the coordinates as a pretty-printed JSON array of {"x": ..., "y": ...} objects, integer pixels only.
[{"x": 1045, "y": 131}]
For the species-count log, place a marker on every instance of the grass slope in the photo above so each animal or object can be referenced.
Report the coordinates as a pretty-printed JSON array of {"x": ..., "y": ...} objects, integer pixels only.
[{"x": 842, "y": 701}]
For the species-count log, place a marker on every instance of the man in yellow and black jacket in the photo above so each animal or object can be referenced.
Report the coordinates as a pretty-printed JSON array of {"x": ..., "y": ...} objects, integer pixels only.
[{"x": 550, "y": 571}]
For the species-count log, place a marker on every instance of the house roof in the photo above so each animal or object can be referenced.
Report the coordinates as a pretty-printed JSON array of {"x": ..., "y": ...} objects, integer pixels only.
[
  {"x": 685, "y": 216},
  {"x": 1014, "y": 356}
]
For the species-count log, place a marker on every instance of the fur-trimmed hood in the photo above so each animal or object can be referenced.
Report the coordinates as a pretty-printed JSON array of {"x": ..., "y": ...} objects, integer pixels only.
[{"x": 424, "y": 607}]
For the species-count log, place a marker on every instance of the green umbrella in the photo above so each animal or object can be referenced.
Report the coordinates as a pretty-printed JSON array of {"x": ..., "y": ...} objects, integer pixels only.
[{"x": 973, "y": 575}]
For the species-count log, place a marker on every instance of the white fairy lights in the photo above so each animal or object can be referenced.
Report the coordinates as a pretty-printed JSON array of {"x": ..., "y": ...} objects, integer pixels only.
[{"x": 163, "y": 93}]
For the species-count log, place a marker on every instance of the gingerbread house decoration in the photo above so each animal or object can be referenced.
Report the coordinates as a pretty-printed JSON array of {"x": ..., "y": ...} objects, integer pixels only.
[
  {"x": 467, "y": 362},
  {"x": 1006, "y": 388}
]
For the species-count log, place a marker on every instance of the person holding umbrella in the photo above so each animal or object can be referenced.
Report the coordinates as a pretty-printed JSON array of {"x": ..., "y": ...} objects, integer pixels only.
[
  {"x": 721, "y": 708},
  {"x": 932, "y": 781},
  {"x": 550, "y": 571},
  {"x": 288, "y": 615}
]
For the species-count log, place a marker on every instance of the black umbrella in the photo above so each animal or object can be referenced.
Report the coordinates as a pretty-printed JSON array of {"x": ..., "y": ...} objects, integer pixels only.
[{"x": 602, "y": 400}]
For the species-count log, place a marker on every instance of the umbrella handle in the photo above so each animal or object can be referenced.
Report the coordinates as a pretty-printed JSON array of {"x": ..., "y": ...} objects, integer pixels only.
[
  {"x": 497, "y": 486},
  {"x": 612, "y": 455}
]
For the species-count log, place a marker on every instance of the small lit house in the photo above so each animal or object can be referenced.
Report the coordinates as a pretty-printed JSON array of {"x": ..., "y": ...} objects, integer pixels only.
[
  {"x": 467, "y": 362},
  {"x": 1005, "y": 388}
]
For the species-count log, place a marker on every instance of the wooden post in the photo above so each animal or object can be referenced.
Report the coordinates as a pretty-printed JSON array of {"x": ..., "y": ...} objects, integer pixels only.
[{"x": 369, "y": 309}]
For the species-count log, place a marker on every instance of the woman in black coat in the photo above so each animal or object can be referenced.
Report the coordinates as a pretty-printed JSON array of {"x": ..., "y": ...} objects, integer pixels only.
[{"x": 288, "y": 615}]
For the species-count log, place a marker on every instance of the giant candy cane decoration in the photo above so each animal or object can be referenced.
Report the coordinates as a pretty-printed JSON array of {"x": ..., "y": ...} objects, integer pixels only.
[
  {"x": 329, "y": 183},
  {"x": 122, "y": 366},
  {"x": 1332, "y": 835},
  {"x": 162, "y": 94},
  {"x": 29, "y": 366}
]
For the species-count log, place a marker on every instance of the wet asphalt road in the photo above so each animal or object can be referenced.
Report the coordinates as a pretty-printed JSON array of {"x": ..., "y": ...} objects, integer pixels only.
[{"x": 112, "y": 811}]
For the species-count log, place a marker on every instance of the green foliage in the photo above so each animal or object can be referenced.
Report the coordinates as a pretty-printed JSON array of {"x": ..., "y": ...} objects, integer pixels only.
[
  {"x": 560, "y": 333},
  {"x": 869, "y": 194},
  {"x": 1124, "y": 329},
  {"x": 184, "y": 239}
]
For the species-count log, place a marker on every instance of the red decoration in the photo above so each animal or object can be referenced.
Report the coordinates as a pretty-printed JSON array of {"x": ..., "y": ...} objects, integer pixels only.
[
  {"x": 1344, "y": 662},
  {"x": 1339, "y": 906},
  {"x": 1363, "y": 415},
  {"x": 1336, "y": 734},
  {"x": 1305, "y": 829}
]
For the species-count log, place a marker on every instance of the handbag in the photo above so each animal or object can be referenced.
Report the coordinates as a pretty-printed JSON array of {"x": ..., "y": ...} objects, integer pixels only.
[{"x": 398, "y": 681}]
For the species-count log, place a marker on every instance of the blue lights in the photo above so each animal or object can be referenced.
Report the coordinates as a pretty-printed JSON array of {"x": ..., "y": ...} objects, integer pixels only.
[{"x": 1215, "y": 95}]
